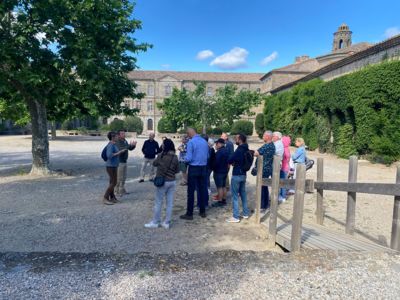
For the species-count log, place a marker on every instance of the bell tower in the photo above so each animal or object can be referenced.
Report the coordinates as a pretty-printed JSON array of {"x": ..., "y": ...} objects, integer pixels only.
[{"x": 342, "y": 37}]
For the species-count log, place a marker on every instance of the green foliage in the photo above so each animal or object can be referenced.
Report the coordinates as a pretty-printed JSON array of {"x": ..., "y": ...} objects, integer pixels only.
[
  {"x": 345, "y": 145},
  {"x": 166, "y": 126},
  {"x": 117, "y": 124},
  {"x": 133, "y": 124},
  {"x": 259, "y": 125},
  {"x": 242, "y": 126},
  {"x": 357, "y": 113},
  {"x": 216, "y": 131},
  {"x": 191, "y": 108}
]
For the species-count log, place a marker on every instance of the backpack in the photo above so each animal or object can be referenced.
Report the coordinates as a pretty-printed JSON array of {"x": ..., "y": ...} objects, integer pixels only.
[
  {"x": 248, "y": 160},
  {"x": 309, "y": 163},
  {"x": 104, "y": 153}
]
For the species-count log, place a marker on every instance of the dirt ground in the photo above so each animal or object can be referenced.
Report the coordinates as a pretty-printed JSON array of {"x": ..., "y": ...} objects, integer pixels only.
[{"x": 64, "y": 213}]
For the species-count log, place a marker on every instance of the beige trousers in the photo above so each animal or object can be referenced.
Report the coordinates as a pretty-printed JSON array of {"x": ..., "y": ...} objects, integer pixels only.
[
  {"x": 146, "y": 162},
  {"x": 121, "y": 175}
]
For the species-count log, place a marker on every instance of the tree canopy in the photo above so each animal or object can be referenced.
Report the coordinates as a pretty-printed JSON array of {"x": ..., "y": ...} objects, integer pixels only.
[
  {"x": 65, "y": 58},
  {"x": 193, "y": 108}
]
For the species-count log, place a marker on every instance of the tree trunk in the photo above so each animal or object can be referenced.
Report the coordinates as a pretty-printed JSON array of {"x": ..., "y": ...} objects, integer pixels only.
[
  {"x": 53, "y": 130},
  {"x": 40, "y": 138}
]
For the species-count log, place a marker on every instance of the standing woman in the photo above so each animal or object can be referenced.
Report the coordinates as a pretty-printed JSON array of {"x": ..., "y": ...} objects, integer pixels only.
[
  {"x": 112, "y": 163},
  {"x": 299, "y": 157},
  {"x": 285, "y": 166},
  {"x": 167, "y": 166},
  {"x": 182, "y": 157}
]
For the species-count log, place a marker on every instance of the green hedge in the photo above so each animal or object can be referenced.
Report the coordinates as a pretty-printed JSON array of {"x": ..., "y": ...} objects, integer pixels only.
[
  {"x": 166, "y": 126},
  {"x": 133, "y": 124},
  {"x": 242, "y": 126},
  {"x": 357, "y": 113}
]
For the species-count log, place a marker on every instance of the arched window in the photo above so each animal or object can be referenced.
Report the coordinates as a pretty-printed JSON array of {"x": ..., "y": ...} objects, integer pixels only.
[
  {"x": 150, "y": 124},
  {"x": 340, "y": 44}
]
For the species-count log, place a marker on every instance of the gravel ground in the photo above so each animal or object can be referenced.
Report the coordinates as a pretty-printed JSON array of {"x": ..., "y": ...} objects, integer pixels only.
[
  {"x": 214, "y": 275},
  {"x": 59, "y": 242}
]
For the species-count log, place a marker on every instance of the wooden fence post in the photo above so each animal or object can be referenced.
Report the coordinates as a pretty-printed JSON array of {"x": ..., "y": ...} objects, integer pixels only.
[
  {"x": 274, "y": 200},
  {"x": 351, "y": 197},
  {"x": 258, "y": 188},
  {"x": 395, "y": 239},
  {"x": 298, "y": 205},
  {"x": 320, "y": 193}
]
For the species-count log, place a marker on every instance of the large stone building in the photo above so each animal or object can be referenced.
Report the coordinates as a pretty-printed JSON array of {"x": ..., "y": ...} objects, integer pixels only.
[
  {"x": 305, "y": 65},
  {"x": 158, "y": 85}
]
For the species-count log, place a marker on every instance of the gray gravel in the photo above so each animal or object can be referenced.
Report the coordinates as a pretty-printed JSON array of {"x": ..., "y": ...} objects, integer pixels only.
[{"x": 215, "y": 275}]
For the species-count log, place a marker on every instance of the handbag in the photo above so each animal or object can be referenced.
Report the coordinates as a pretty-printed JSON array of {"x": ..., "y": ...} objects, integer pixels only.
[{"x": 159, "y": 181}]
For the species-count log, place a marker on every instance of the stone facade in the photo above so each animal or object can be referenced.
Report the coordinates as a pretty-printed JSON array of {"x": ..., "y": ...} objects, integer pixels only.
[{"x": 157, "y": 85}]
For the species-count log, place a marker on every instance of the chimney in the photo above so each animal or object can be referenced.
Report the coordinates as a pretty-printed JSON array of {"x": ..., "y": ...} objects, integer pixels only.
[{"x": 301, "y": 58}]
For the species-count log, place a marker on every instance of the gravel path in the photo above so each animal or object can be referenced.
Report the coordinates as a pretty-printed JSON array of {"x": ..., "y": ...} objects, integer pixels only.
[{"x": 215, "y": 275}]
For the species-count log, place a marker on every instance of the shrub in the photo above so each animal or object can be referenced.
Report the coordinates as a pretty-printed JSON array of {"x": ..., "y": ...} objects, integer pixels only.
[
  {"x": 259, "y": 125},
  {"x": 133, "y": 124},
  {"x": 242, "y": 126},
  {"x": 82, "y": 130},
  {"x": 66, "y": 125},
  {"x": 345, "y": 143},
  {"x": 166, "y": 126},
  {"x": 216, "y": 131},
  {"x": 105, "y": 127},
  {"x": 117, "y": 124}
]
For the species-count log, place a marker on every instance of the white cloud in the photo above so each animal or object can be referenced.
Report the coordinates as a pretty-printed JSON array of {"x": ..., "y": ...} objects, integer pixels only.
[
  {"x": 234, "y": 59},
  {"x": 391, "y": 32},
  {"x": 269, "y": 58},
  {"x": 166, "y": 66},
  {"x": 205, "y": 54}
]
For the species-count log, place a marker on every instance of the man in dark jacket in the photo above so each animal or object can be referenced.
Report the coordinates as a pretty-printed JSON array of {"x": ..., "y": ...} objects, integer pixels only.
[
  {"x": 123, "y": 144},
  {"x": 221, "y": 169},
  {"x": 230, "y": 148},
  {"x": 238, "y": 182},
  {"x": 150, "y": 149}
]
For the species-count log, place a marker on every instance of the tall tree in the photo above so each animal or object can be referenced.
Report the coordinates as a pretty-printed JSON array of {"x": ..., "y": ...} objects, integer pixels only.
[{"x": 63, "y": 58}]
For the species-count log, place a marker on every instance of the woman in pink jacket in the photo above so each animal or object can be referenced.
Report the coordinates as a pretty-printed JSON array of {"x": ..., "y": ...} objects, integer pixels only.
[{"x": 285, "y": 166}]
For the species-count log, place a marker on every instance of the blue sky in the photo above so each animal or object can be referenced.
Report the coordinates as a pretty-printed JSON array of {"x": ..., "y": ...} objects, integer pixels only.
[{"x": 238, "y": 35}]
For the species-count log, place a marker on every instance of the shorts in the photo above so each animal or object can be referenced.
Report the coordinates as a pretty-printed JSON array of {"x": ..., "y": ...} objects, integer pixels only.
[
  {"x": 220, "y": 180},
  {"x": 183, "y": 167}
]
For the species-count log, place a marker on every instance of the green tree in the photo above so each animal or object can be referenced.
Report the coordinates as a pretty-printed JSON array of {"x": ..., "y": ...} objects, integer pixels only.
[
  {"x": 242, "y": 126},
  {"x": 65, "y": 58},
  {"x": 133, "y": 124},
  {"x": 259, "y": 125},
  {"x": 166, "y": 126}
]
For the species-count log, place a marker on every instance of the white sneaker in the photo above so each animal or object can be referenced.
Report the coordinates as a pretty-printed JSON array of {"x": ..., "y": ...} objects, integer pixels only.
[
  {"x": 151, "y": 225},
  {"x": 281, "y": 200},
  {"x": 232, "y": 220},
  {"x": 245, "y": 217},
  {"x": 165, "y": 225}
]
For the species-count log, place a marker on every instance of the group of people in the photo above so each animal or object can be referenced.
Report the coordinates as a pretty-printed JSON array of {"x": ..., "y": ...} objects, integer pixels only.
[{"x": 199, "y": 157}]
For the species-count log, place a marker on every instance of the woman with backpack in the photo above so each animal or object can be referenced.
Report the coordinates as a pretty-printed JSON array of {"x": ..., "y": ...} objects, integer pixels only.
[
  {"x": 167, "y": 167},
  {"x": 111, "y": 155}
]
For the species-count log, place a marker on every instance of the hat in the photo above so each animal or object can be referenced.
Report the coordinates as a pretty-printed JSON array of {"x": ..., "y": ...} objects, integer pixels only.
[{"x": 220, "y": 141}]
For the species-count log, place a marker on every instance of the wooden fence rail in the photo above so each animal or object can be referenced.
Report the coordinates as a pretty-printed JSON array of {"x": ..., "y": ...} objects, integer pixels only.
[{"x": 302, "y": 185}]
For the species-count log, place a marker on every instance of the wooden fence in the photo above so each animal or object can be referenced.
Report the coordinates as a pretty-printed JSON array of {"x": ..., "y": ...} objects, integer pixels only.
[{"x": 301, "y": 186}]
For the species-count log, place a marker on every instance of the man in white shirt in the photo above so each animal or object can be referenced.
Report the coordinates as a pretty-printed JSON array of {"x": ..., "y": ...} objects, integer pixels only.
[{"x": 276, "y": 138}]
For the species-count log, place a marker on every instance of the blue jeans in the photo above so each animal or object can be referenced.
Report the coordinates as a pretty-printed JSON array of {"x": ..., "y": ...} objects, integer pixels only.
[
  {"x": 197, "y": 181},
  {"x": 283, "y": 191},
  {"x": 168, "y": 190},
  {"x": 238, "y": 187}
]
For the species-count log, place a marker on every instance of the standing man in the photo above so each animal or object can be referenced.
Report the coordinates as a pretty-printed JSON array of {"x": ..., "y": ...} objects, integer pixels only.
[
  {"x": 196, "y": 158},
  {"x": 238, "y": 183},
  {"x": 230, "y": 148},
  {"x": 220, "y": 170},
  {"x": 123, "y": 144},
  {"x": 150, "y": 149},
  {"x": 277, "y": 139},
  {"x": 267, "y": 151}
]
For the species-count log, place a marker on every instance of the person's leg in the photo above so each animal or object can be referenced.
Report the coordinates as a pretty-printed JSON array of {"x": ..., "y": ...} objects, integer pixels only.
[
  {"x": 116, "y": 190},
  {"x": 158, "y": 203},
  {"x": 123, "y": 178},
  {"x": 152, "y": 169},
  {"x": 282, "y": 191},
  {"x": 190, "y": 191},
  {"x": 171, "y": 186},
  {"x": 202, "y": 189},
  {"x": 143, "y": 169},
  {"x": 113, "y": 183},
  {"x": 235, "y": 196},
  {"x": 107, "y": 194},
  {"x": 264, "y": 197},
  {"x": 243, "y": 196}
]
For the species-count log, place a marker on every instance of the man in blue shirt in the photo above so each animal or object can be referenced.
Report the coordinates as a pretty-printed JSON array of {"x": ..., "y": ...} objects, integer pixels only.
[{"x": 196, "y": 158}]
